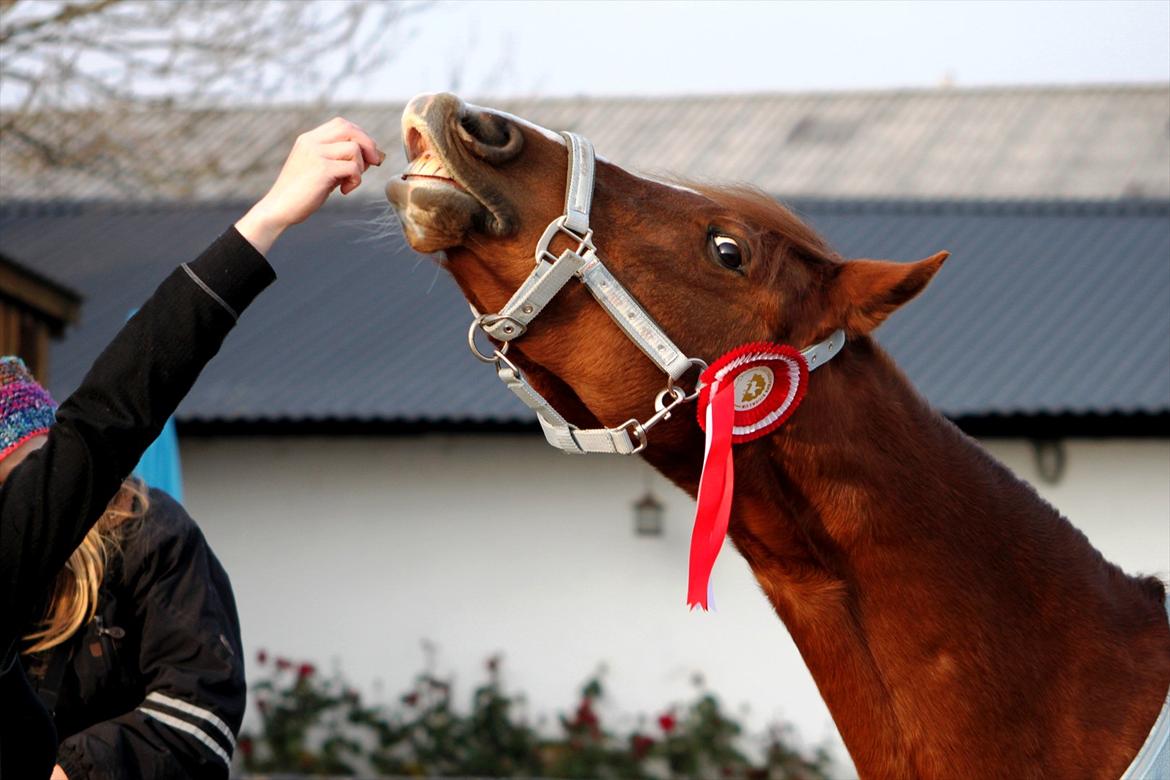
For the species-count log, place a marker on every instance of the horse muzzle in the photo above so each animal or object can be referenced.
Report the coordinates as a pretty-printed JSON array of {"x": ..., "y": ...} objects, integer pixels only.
[{"x": 446, "y": 189}]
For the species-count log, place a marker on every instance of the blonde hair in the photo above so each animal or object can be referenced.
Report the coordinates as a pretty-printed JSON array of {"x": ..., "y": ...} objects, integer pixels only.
[{"x": 75, "y": 591}]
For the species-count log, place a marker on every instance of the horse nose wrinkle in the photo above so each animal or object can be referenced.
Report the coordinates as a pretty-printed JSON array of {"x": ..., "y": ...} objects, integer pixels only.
[{"x": 431, "y": 110}]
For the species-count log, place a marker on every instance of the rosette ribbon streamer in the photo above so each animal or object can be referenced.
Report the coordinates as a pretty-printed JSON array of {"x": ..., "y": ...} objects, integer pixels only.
[
  {"x": 715, "y": 490},
  {"x": 745, "y": 394}
]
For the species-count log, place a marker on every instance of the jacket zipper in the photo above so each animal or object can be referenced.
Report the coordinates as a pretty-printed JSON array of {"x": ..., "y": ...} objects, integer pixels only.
[{"x": 113, "y": 632}]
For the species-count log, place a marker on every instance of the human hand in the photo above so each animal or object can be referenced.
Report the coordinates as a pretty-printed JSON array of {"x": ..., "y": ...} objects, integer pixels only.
[
  {"x": 58, "y": 773},
  {"x": 336, "y": 153}
]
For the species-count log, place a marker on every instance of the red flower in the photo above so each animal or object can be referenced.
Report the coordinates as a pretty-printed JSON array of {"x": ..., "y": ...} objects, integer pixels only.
[
  {"x": 410, "y": 699},
  {"x": 261, "y": 657},
  {"x": 586, "y": 716},
  {"x": 667, "y": 722},
  {"x": 640, "y": 744},
  {"x": 245, "y": 746},
  {"x": 306, "y": 671},
  {"x": 283, "y": 664}
]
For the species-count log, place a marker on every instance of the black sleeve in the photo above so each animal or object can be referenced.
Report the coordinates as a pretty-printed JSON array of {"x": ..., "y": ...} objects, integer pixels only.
[
  {"x": 49, "y": 502},
  {"x": 190, "y": 659}
]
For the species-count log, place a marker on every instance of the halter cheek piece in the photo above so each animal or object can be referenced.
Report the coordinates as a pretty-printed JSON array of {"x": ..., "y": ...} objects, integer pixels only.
[{"x": 547, "y": 278}]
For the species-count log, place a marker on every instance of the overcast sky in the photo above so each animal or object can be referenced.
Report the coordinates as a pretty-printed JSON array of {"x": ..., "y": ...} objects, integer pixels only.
[{"x": 653, "y": 48}]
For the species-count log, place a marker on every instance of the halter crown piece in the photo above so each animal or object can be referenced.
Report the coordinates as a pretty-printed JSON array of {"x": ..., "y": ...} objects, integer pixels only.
[{"x": 745, "y": 394}]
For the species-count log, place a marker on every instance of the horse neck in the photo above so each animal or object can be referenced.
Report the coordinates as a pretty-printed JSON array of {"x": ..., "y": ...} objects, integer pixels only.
[{"x": 943, "y": 608}]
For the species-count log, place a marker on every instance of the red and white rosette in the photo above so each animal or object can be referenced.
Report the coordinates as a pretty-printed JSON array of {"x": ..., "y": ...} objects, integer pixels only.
[
  {"x": 769, "y": 381},
  {"x": 745, "y": 394}
]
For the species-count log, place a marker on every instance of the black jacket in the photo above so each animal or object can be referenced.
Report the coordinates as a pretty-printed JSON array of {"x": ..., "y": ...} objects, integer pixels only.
[
  {"x": 50, "y": 501},
  {"x": 153, "y": 687}
]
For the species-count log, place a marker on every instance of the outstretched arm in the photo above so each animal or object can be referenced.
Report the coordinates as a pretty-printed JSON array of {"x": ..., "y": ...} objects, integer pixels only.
[{"x": 49, "y": 502}]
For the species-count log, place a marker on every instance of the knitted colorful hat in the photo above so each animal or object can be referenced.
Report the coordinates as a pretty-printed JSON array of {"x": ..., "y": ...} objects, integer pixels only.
[{"x": 26, "y": 408}]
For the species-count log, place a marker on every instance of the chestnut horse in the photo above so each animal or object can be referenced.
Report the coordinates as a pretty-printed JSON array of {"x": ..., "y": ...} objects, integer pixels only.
[{"x": 956, "y": 625}]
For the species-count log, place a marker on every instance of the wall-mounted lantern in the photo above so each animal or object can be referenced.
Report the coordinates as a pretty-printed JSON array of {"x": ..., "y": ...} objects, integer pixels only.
[
  {"x": 1051, "y": 459},
  {"x": 648, "y": 512}
]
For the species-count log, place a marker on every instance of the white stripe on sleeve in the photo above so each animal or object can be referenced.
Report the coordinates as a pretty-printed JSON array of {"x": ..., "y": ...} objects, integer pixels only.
[
  {"x": 194, "y": 731},
  {"x": 198, "y": 712}
]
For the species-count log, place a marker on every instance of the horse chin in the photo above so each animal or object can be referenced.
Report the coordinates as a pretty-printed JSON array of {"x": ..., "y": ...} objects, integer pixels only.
[{"x": 435, "y": 215}]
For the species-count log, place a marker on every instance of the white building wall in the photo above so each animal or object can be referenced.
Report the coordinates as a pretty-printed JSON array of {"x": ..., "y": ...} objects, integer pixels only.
[{"x": 355, "y": 550}]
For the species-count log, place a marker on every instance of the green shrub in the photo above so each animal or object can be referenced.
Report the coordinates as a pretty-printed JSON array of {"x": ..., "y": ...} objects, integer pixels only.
[{"x": 310, "y": 723}]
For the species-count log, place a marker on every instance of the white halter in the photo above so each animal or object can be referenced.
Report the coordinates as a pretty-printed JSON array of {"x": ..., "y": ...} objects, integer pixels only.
[
  {"x": 549, "y": 276},
  {"x": 1153, "y": 761}
]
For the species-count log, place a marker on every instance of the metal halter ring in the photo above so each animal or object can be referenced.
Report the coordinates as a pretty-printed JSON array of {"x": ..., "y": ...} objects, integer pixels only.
[
  {"x": 498, "y": 352},
  {"x": 671, "y": 386}
]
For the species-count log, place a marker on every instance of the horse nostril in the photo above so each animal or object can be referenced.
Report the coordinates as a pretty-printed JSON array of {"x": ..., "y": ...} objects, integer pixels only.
[
  {"x": 415, "y": 144},
  {"x": 490, "y": 137},
  {"x": 484, "y": 127}
]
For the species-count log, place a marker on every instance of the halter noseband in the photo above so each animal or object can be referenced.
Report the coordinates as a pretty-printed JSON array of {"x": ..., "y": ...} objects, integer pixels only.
[{"x": 548, "y": 277}]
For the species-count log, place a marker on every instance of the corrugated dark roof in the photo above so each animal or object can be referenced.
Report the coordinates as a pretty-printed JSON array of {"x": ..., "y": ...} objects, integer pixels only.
[
  {"x": 1100, "y": 141},
  {"x": 1044, "y": 309}
]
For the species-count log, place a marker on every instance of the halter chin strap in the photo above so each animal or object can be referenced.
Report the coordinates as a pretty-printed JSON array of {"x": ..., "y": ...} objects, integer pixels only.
[{"x": 548, "y": 277}]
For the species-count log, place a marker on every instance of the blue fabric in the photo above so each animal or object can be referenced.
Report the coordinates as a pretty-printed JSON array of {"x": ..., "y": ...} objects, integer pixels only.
[{"x": 160, "y": 466}]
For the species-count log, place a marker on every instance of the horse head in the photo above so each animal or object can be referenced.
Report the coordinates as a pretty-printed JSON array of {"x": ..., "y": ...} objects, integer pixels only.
[{"x": 716, "y": 267}]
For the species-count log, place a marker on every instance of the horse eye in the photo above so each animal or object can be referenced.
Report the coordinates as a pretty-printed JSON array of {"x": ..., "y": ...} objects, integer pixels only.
[{"x": 727, "y": 251}]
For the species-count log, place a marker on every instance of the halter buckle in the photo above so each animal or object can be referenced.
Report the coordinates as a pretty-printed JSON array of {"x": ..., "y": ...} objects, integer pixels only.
[
  {"x": 501, "y": 327},
  {"x": 584, "y": 241}
]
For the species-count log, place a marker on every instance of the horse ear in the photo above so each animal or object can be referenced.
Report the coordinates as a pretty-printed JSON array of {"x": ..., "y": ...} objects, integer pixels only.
[{"x": 864, "y": 292}]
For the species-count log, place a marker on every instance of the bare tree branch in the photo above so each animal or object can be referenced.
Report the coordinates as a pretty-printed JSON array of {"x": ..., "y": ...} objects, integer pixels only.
[
  {"x": 68, "y": 64},
  {"x": 63, "y": 17}
]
